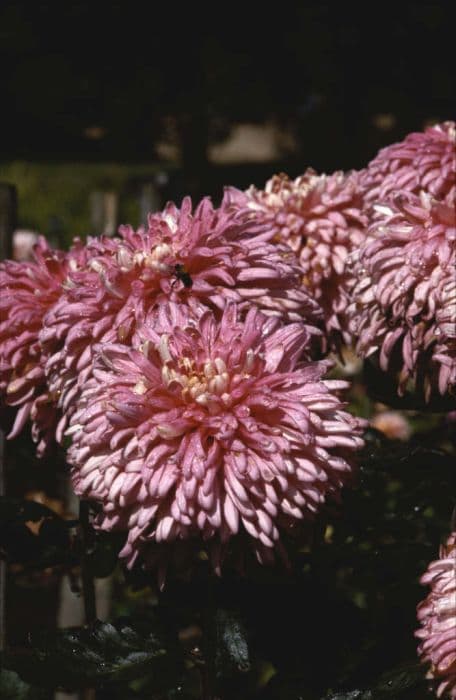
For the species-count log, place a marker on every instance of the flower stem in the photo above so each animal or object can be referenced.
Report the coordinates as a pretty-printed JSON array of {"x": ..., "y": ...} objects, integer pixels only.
[
  {"x": 88, "y": 586},
  {"x": 209, "y": 643}
]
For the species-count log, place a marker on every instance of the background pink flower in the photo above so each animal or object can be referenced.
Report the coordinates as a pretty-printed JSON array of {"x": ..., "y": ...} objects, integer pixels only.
[
  {"x": 403, "y": 306},
  {"x": 393, "y": 424},
  {"x": 204, "y": 258},
  {"x": 437, "y": 615},
  {"x": 422, "y": 161},
  {"x": 320, "y": 217},
  {"x": 27, "y": 291},
  {"x": 211, "y": 428}
]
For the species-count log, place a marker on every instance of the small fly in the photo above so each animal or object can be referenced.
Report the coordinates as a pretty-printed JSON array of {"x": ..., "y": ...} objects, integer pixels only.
[{"x": 182, "y": 275}]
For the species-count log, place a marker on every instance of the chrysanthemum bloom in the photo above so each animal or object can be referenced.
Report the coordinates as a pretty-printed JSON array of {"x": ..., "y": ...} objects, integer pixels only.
[
  {"x": 403, "y": 304},
  {"x": 203, "y": 258},
  {"x": 437, "y": 615},
  {"x": 27, "y": 291},
  {"x": 211, "y": 428},
  {"x": 320, "y": 217},
  {"x": 423, "y": 161}
]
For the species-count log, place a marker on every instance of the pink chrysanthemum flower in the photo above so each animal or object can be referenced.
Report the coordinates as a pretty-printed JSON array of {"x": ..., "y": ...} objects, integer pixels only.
[
  {"x": 423, "y": 161},
  {"x": 437, "y": 615},
  {"x": 203, "y": 258},
  {"x": 320, "y": 217},
  {"x": 211, "y": 428},
  {"x": 404, "y": 301},
  {"x": 27, "y": 291}
]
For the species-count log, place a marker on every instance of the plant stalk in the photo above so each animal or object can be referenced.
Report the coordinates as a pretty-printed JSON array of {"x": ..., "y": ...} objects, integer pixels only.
[
  {"x": 88, "y": 584},
  {"x": 207, "y": 669}
]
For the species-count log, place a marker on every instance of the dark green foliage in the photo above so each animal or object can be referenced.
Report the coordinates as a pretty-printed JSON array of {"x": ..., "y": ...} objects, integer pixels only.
[
  {"x": 231, "y": 648},
  {"x": 32, "y": 534},
  {"x": 351, "y": 695},
  {"x": 324, "y": 629},
  {"x": 13, "y": 688},
  {"x": 96, "y": 655},
  {"x": 103, "y": 555},
  {"x": 403, "y": 681},
  {"x": 347, "y": 610}
]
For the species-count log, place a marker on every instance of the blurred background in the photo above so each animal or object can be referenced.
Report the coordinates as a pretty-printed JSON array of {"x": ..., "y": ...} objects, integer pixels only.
[{"x": 107, "y": 113}]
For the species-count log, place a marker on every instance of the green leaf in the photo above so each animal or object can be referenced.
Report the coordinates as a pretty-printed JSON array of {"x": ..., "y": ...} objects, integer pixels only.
[
  {"x": 232, "y": 651},
  {"x": 395, "y": 683},
  {"x": 351, "y": 695},
  {"x": 47, "y": 543},
  {"x": 392, "y": 685},
  {"x": 103, "y": 556},
  {"x": 84, "y": 657},
  {"x": 13, "y": 688}
]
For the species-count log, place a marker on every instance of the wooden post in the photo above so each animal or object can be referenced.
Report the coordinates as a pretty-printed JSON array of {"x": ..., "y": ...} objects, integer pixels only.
[
  {"x": 149, "y": 201},
  {"x": 103, "y": 213},
  {"x": 8, "y": 219}
]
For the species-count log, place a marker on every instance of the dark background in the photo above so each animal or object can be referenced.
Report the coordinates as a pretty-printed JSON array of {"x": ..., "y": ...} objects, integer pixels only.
[{"x": 327, "y": 73}]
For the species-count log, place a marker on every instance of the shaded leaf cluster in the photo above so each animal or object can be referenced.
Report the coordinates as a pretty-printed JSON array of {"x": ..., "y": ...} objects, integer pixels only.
[
  {"x": 102, "y": 653},
  {"x": 327, "y": 628},
  {"x": 33, "y": 535}
]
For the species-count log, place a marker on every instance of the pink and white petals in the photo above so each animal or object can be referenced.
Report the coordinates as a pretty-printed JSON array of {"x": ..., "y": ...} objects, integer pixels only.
[
  {"x": 27, "y": 291},
  {"x": 203, "y": 259},
  {"x": 437, "y": 616},
  {"x": 320, "y": 217},
  {"x": 213, "y": 427},
  {"x": 422, "y": 161},
  {"x": 403, "y": 309}
]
